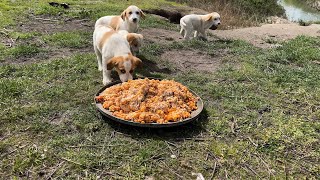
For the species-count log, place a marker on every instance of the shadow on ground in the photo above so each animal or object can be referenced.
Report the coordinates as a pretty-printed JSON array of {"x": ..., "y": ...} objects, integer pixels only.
[{"x": 177, "y": 133}]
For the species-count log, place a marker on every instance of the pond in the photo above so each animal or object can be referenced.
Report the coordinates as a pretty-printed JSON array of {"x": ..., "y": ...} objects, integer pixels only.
[{"x": 297, "y": 10}]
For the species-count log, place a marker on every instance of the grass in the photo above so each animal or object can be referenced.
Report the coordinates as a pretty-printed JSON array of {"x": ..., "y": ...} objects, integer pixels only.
[
  {"x": 69, "y": 39},
  {"x": 238, "y": 13},
  {"x": 261, "y": 116}
]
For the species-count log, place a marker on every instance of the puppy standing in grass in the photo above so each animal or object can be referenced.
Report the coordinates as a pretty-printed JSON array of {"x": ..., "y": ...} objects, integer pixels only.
[
  {"x": 128, "y": 20},
  {"x": 198, "y": 23},
  {"x": 113, "y": 51}
]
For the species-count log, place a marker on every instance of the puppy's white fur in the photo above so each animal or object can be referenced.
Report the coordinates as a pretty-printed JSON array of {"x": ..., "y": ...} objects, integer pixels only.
[
  {"x": 113, "y": 51},
  {"x": 128, "y": 20},
  {"x": 198, "y": 23}
]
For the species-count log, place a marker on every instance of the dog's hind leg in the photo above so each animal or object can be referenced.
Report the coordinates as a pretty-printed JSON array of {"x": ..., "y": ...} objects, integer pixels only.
[
  {"x": 182, "y": 32},
  {"x": 195, "y": 34},
  {"x": 187, "y": 34},
  {"x": 99, "y": 58}
]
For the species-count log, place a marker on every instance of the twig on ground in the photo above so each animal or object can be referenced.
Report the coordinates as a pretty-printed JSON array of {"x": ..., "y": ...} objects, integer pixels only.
[
  {"x": 169, "y": 147},
  {"x": 269, "y": 171},
  {"x": 73, "y": 162},
  {"x": 172, "y": 144},
  {"x": 172, "y": 171},
  {"x": 316, "y": 62},
  {"x": 5, "y": 154},
  {"x": 256, "y": 145},
  {"x": 46, "y": 19},
  {"x": 195, "y": 139},
  {"x": 2, "y": 32},
  {"x": 95, "y": 146},
  {"x": 254, "y": 172},
  {"x": 55, "y": 170},
  {"x": 153, "y": 157},
  {"x": 226, "y": 173},
  {"x": 214, "y": 170}
]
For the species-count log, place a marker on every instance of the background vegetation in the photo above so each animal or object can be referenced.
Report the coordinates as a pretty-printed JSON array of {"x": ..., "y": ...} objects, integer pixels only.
[{"x": 240, "y": 13}]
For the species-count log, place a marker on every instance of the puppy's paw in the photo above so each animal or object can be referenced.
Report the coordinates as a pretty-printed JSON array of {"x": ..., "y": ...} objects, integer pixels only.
[
  {"x": 100, "y": 68},
  {"x": 202, "y": 38}
]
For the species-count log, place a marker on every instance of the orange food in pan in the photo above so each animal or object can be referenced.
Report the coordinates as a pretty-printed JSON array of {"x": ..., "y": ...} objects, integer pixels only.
[{"x": 149, "y": 101}]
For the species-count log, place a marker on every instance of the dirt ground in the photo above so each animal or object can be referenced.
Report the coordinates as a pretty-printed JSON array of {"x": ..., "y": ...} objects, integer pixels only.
[
  {"x": 186, "y": 60},
  {"x": 265, "y": 36},
  {"x": 260, "y": 36}
]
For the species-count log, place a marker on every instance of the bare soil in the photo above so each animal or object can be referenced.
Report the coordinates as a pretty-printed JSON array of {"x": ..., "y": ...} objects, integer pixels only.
[
  {"x": 162, "y": 36},
  {"x": 187, "y": 60},
  {"x": 263, "y": 35},
  {"x": 50, "y": 25}
]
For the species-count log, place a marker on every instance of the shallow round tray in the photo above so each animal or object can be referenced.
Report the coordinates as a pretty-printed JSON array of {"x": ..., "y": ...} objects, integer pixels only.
[{"x": 108, "y": 114}]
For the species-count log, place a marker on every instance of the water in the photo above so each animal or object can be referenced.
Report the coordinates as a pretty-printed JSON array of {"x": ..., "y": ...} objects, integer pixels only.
[{"x": 295, "y": 11}]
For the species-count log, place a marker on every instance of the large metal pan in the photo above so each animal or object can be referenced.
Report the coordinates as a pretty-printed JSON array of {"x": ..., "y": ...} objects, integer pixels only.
[{"x": 108, "y": 114}]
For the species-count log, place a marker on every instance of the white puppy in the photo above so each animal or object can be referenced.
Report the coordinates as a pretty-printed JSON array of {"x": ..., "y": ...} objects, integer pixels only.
[
  {"x": 128, "y": 20},
  {"x": 198, "y": 23},
  {"x": 113, "y": 51}
]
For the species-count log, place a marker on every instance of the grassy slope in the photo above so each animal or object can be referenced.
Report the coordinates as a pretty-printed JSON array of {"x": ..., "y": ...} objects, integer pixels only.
[{"x": 261, "y": 115}]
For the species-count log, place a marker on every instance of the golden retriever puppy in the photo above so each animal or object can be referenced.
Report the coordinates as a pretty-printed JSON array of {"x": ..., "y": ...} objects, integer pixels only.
[
  {"x": 198, "y": 23},
  {"x": 128, "y": 20},
  {"x": 113, "y": 52}
]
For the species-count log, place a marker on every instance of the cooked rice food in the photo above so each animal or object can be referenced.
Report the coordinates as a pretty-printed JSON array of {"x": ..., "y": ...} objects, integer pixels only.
[{"x": 149, "y": 101}]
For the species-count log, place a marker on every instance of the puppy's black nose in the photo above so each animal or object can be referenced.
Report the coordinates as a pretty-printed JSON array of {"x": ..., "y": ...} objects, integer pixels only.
[
  {"x": 218, "y": 23},
  {"x": 134, "y": 19}
]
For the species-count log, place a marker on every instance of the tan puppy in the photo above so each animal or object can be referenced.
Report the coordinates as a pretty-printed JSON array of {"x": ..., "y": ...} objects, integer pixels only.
[
  {"x": 128, "y": 20},
  {"x": 113, "y": 51},
  {"x": 198, "y": 23}
]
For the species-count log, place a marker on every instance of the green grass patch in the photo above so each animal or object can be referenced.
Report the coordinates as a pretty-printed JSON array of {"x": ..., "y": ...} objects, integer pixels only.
[
  {"x": 20, "y": 51},
  {"x": 69, "y": 39}
]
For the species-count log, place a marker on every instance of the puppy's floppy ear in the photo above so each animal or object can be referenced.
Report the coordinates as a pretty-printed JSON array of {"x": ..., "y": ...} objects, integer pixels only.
[
  {"x": 142, "y": 14},
  {"x": 123, "y": 15},
  {"x": 136, "y": 61},
  {"x": 113, "y": 62},
  {"x": 140, "y": 36},
  {"x": 134, "y": 36},
  {"x": 208, "y": 18},
  {"x": 130, "y": 37}
]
